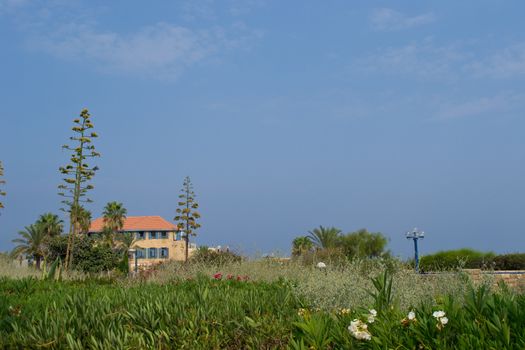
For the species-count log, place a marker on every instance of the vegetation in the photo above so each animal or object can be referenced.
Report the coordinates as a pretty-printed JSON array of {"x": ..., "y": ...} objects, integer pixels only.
[
  {"x": 336, "y": 246},
  {"x": 77, "y": 175},
  {"x": 325, "y": 237},
  {"x": 301, "y": 245},
  {"x": 2, "y": 182},
  {"x": 199, "y": 309},
  {"x": 114, "y": 215},
  {"x": 51, "y": 224},
  {"x": 187, "y": 214},
  {"x": 217, "y": 258},
  {"x": 31, "y": 244},
  {"x": 452, "y": 259},
  {"x": 90, "y": 257}
]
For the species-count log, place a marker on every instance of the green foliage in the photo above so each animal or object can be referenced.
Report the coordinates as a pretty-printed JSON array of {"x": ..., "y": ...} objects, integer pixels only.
[
  {"x": 483, "y": 320},
  {"x": 2, "y": 182},
  {"x": 509, "y": 262},
  {"x": 325, "y": 237},
  {"x": 301, "y": 245},
  {"x": 114, "y": 215},
  {"x": 51, "y": 224},
  {"x": 353, "y": 245},
  {"x": 453, "y": 259},
  {"x": 77, "y": 175},
  {"x": 90, "y": 256},
  {"x": 197, "y": 314},
  {"x": 32, "y": 243},
  {"x": 363, "y": 244},
  {"x": 214, "y": 258},
  {"x": 187, "y": 214}
]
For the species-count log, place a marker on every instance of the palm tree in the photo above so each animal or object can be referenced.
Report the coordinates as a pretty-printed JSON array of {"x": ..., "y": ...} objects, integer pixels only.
[
  {"x": 301, "y": 245},
  {"x": 114, "y": 215},
  {"x": 51, "y": 224},
  {"x": 82, "y": 219},
  {"x": 31, "y": 243},
  {"x": 126, "y": 241},
  {"x": 325, "y": 237}
]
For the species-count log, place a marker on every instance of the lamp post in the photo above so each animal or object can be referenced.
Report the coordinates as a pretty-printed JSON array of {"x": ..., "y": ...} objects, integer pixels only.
[
  {"x": 415, "y": 235},
  {"x": 133, "y": 251}
]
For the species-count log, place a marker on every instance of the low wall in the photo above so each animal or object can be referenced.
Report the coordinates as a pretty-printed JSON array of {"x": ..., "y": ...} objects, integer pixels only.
[{"x": 513, "y": 279}]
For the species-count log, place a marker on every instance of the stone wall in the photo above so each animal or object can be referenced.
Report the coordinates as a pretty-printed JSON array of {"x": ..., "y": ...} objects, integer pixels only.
[{"x": 513, "y": 279}]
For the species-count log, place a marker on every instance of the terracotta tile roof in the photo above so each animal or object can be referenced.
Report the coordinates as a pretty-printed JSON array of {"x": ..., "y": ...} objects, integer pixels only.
[{"x": 137, "y": 223}]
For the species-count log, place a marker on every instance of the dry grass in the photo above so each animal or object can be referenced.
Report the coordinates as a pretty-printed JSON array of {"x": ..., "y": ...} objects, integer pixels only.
[{"x": 341, "y": 285}]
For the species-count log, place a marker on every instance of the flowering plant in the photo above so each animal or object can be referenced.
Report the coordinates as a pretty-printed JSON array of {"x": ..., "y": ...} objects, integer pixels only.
[{"x": 359, "y": 330}]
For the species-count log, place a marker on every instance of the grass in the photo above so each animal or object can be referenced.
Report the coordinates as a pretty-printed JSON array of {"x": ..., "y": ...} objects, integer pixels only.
[{"x": 280, "y": 305}]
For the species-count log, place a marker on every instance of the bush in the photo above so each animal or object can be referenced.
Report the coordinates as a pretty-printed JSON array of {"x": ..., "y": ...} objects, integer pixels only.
[
  {"x": 89, "y": 255},
  {"x": 213, "y": 257},
  {"x": 330, "y": 256},
  {"x": 453, "y": 259},
  {"x": 510, "y": 262}
]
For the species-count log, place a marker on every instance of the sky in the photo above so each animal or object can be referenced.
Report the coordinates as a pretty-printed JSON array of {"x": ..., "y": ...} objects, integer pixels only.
[{"x": 384, "y": 115}]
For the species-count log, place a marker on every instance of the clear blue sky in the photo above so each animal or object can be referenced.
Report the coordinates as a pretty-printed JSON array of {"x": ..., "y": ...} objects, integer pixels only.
[{"x": 382, "y": 115}]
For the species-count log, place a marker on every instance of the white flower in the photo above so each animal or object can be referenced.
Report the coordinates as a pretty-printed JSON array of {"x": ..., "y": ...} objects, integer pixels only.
[
  {"x": 373, "y": 312},
  {"x": 438, "y": 314},
  {"x": 371, "y": 319},
  {"x": 443, "y": 320},
  {"x": 321, "y": 265},
  {"x": 359, "y": 330},
  {"x": 411, "y": 315}
]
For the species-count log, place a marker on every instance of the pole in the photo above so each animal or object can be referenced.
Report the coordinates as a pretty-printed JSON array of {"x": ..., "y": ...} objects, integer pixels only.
[
  {"x": 136, "y": 262},
  {"x": 416, "y": 255}
]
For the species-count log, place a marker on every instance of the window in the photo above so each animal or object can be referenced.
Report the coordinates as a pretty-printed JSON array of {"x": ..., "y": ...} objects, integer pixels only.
[
  {"x": 153, "y": 235},
  {"x": 178, "y": 236},
  {"x": 152, "y": 252},
  {"x": 141, "y": 253},
  {"x": 164, "y": 253},
  {"x": 164, "y": 235},
  {"x": 140, "y": 235}
]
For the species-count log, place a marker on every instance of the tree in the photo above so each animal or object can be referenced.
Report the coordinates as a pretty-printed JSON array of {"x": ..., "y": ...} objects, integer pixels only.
[
  {"x": 77, "y": 175},
  {"x": 301, "y": 245},
  {"x": 126, "y": 241},
  {"x": 187, "y": 214},
  {"x": 2, "y": 182},
  {"x": 114, "y": 215},
  {"x": 83, "y": 220},
  {"x": 364, "y": 244},
  {"x": 325, "y": 237},
  {"x": 31, "y": 244},
  {"x": 51, "y": 224}
]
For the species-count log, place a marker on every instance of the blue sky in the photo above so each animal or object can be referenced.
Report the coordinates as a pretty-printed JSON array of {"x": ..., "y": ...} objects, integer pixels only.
[{"x": 286, "y": 115}]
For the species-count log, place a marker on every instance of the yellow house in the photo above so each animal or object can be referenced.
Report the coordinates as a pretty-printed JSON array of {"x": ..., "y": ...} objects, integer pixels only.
[{"x": 156, "y": 239}]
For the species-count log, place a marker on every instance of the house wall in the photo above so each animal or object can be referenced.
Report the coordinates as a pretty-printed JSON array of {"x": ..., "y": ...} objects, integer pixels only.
[{"x": 176, "y": 250}]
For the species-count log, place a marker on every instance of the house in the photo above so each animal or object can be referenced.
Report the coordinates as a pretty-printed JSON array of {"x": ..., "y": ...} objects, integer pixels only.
[{"x": 156, "y": 239}]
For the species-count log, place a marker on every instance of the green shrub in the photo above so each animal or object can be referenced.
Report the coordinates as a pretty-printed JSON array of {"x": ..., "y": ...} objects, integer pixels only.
[
  {"x": 453, "y": 259},
  {"x": 203, "y": 255},
  {"x": 514, "y": 261}
]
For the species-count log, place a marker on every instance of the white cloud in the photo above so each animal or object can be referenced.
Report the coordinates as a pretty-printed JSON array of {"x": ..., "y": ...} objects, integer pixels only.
[
  {"x": 161, "y": 51},
  {"x": 508, "y": 63},
  {"x": 481, "y": 106},
  {"x": 385, "y": 19},
  {"x": 423, "y": 60}
]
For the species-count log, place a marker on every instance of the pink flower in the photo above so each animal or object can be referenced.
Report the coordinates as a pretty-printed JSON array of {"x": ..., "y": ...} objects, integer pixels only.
[
  {"x": 218, "y": 276},
  {"x": 230, "y": 276},
  {"x": 239, "y": 278}
]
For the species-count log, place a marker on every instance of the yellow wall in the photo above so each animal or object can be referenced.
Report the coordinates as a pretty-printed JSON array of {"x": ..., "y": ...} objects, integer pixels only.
[{"x": 176, "y": 250}]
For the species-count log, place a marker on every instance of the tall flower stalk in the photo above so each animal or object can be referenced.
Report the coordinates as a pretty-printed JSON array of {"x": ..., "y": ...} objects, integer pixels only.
[{"x": 77, "y": 174}]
